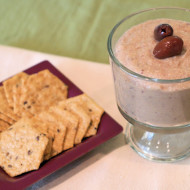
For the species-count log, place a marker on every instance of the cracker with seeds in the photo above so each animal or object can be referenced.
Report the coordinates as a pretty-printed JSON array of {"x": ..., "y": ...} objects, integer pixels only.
[
  {"x": 6, "y": 119},
  {"x": 4, "y": 109},
  {"x": 56, "y": 129},
  {"x": 17, "y": 89},
  {"x": 42, "y": 90},
  {"x": 21, "y": 148},
  {"x": 8, "y": 87},
  {"x": 43, "y": 127},
  {"x": 81, "y": 113},
  {"x": 70, "y": 121},
  {"x": 94, "y": 111},
  {"x": 3, "y": 125},
  {"x": 17, "y": 93}
]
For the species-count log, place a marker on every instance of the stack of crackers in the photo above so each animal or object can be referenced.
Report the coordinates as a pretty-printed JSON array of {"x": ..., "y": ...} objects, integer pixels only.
[{"x": 38, "y": 121}]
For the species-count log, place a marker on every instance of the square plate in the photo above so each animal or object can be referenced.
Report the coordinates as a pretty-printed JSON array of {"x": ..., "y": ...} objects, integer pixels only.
[{"x": 108, "y": 128}]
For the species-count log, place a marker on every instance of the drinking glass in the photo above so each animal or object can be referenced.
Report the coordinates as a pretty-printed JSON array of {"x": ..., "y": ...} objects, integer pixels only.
[{"x": 157, "y": 110}]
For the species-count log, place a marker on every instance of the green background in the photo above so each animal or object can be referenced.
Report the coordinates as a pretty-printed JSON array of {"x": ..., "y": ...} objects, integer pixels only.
[{"x": 72, "y": 28}]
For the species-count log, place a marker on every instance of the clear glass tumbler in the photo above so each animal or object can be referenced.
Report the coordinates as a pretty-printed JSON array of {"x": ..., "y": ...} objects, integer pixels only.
[{"x": 158, "y": 111}]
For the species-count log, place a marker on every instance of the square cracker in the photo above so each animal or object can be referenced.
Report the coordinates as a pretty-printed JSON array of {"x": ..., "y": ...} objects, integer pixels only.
[
  {"x": 9, "y": 84},
  {"x": 94, "y": 111},
  {"x": 3, "y": 125},
  {"x": 70, "y": 120},
  {"x": 17, "y": 91},
  {"x": 83, "y": 117},
  {"x": 4, "y": 109},
  {"x": 41, "y": 90},
  {"x": 21, "y": 148},
  {"x": 16, "y": 95},
  {"x": 6, "y": 119},
  {"x": 56, "y": 129},
  {"x": 43, "y": 127}
]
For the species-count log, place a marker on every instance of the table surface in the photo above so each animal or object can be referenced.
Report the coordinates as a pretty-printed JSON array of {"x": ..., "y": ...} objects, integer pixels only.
[
  {"x": 77, "y": 29},
  {"x": 112, "y": 165}
]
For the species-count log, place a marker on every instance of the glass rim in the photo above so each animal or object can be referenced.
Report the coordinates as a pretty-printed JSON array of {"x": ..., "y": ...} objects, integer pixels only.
[{"x": 130, "y": 72}]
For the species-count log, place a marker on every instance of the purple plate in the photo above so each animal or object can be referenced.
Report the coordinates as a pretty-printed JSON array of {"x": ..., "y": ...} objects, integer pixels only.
[{"x": 108, "y": 128}]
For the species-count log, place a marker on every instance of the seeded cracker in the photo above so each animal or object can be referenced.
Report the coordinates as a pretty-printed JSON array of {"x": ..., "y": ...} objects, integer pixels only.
[
  {"x": 93, "y": 110},
  {"x": 42, "y": 90},
  {"x": 21, "y": 148},
  {"x": 70, "y": 121},
  {"x": 81, "y": 113},
  {"x": 17, "y": 88},
  {"x": 43, "y": 128},
  {"x": 3, "y": 125},
  {"x": 4, "y": 109},
  {"x": 8, "y": 87},
  {"x": 57, "y": 130}
]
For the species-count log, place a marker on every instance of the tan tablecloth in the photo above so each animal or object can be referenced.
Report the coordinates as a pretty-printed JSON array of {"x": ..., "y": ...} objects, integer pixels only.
[{"x": 112, "y": 165}]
